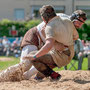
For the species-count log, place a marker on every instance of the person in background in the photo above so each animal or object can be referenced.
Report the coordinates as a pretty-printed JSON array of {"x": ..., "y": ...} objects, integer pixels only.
[
  {"x": 16, "y": 43},
  {"x": 87, "y": 52},
  {"x": 1, "y": 43},
  {"x": 6, "y": 43},
  {"x": 1, "y": 47},
  {"x": 79, "y": 52}
]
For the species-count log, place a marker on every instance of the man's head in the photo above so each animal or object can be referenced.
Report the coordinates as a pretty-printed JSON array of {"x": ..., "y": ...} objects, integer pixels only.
[
  {"x": 47, "y": 12},
  {"x": 78, "y": 18}
]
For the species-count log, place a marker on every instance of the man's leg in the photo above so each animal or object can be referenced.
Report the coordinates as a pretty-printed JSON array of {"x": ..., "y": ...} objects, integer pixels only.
[
  {"x": 28, "y": 74},
  {"x": 30, "y": 70},
  {"x": 88, "y": 61},
  {"x": 65, "y": 67},
  {"x": 45, "y": 64},
  {"x": 80, "y": 62}
]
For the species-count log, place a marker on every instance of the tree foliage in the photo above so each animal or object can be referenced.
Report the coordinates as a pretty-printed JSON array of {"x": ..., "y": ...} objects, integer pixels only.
[{"x": 23, "y": 26}]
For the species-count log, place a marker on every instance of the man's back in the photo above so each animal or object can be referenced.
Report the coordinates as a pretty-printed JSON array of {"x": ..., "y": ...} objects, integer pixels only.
[
  {"x": 61, "y": 30},
  {"x": 41, "y": 25}
]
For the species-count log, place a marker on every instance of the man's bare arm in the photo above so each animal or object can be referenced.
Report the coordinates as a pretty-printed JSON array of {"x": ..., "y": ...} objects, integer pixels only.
[{"x": 46, "y": 48}]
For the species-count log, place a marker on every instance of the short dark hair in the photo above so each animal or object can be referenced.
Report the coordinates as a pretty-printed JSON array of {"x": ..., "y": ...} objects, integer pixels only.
[
  {"x": 78, "y": 14},
  {"x": 47, "y": 12}
]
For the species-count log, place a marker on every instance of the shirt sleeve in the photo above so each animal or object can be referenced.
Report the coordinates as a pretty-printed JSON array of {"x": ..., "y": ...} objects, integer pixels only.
[
  {"x": 75, "y": 33},
  {"x": 49, "y": 32},
  {"x": 39, "y": 27}
]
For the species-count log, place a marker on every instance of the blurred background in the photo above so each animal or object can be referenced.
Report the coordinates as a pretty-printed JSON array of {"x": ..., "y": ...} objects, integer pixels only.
[{"x": 18, "y": 16}]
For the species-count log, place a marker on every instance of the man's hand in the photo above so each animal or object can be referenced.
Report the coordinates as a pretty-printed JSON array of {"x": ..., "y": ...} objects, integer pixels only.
[{"x": 28, "y": 57}]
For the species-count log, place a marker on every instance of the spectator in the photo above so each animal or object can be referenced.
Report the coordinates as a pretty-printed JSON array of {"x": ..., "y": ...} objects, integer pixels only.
[
  {"x": 21, "y": 38},
  {"x": 1, "y": 47},
  {"x": 83, "y": 42},
  {"x": 4, "y": 40},
  {"x": 1, "y": 43},
  {"x": 6, "y": 43},
  {"x": 16, "y": 43},
  {"x": 16, "y": 47},
  {"x": 87, "y": 52},
  {"x": 89, "y": 61},
  {"x": 79, "y": 49}
]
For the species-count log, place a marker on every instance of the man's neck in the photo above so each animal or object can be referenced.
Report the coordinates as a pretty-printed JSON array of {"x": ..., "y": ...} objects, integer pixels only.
[{"x": 51, "y": 19}]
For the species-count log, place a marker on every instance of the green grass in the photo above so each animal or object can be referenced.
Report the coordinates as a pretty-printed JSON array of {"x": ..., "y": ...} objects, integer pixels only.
[
  {"x": 5, "y": 64},
  {"x": 88, "y": 21},
  {"x": 84, "y": 65}
]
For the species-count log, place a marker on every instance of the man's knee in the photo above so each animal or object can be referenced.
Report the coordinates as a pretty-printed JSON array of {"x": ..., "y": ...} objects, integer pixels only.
[{"x": 39, "y": 65}]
